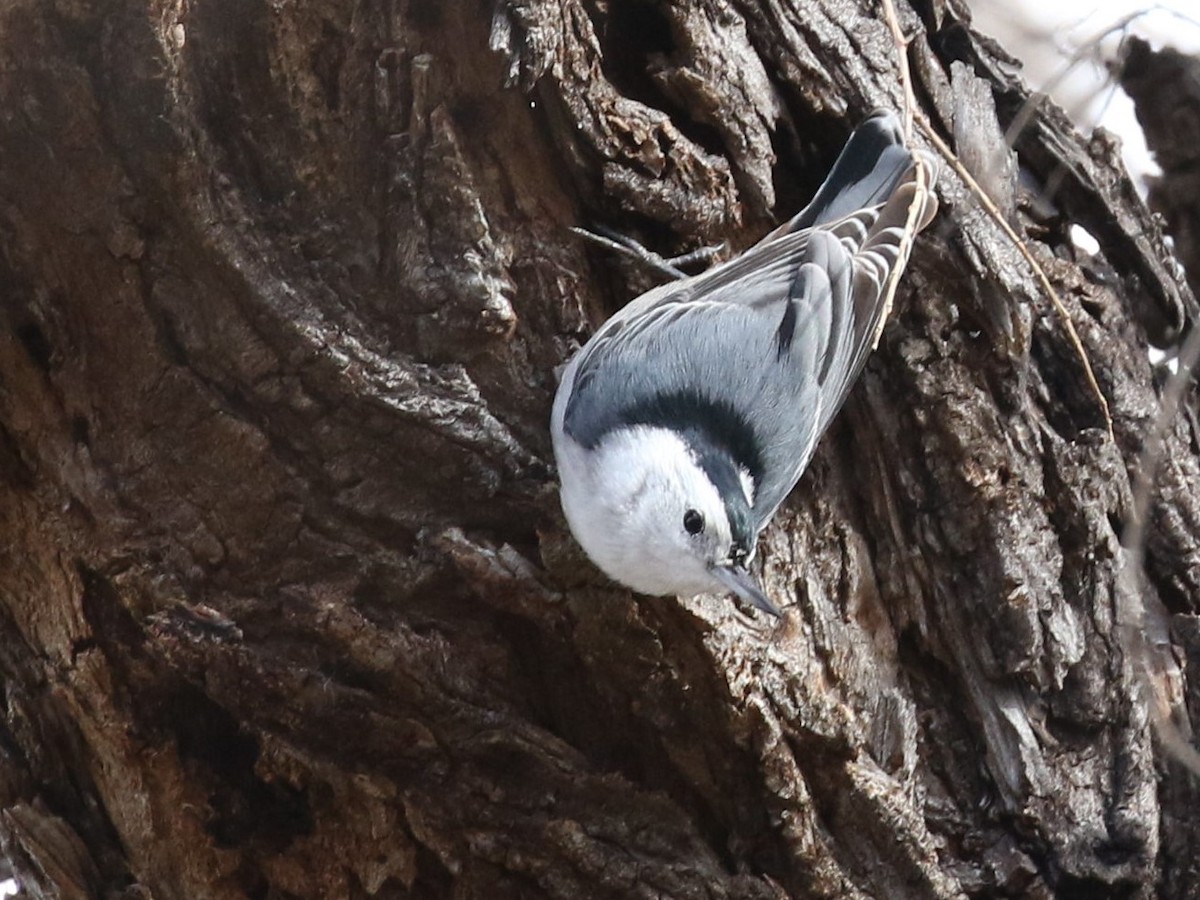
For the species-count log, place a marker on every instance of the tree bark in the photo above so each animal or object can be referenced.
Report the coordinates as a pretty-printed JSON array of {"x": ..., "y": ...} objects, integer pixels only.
[
  {"x": 1165, "y": 88},
  {"x": 287, "y": 605}
]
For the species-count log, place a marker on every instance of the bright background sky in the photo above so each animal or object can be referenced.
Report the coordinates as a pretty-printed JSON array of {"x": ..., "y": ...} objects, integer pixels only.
[{"x": 1045, "y": 36}]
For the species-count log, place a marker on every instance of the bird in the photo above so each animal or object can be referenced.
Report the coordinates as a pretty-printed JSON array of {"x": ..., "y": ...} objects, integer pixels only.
[{"x": 685, "y": 421}]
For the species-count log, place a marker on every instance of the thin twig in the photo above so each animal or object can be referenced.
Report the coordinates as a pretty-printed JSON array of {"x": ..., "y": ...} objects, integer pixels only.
[
  {"x": 902, "y": 42},
  {"x": 990, "y": 206},
  {"x": 1131, "y": 580},
  {"x": 924, "y": 184},
  {"x": 1133, "y": 626},
  {"x": 923, "y": 179}
]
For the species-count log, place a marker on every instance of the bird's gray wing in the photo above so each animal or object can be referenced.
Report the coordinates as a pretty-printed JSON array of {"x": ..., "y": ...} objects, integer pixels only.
[{"x": 766, "y": 346}]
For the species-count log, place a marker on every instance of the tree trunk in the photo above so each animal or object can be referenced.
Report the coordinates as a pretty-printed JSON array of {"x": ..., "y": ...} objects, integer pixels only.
[{"x": 287, "y": 605}]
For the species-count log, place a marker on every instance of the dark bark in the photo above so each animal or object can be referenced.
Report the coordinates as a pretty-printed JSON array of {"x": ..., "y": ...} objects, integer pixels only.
[
  {"x": 1165, "y": 87},
  {"x": 288, "y": 608}
]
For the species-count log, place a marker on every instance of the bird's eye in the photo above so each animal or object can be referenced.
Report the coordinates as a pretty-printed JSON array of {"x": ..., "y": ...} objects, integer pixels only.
[{"x": 693, "y": 521}]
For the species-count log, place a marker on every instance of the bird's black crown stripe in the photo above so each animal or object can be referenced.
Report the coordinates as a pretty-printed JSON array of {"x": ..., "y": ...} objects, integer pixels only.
[
  {"x": 723, "y": 473},
  {"x": 706, "y": 425}
]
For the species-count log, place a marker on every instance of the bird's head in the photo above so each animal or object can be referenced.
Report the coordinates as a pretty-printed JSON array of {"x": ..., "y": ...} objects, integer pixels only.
[{"x": 663, "y": 516}]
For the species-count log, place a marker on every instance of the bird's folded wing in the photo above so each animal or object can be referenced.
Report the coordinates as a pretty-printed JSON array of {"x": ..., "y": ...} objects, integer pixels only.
[{"x": 770, "y": 343}]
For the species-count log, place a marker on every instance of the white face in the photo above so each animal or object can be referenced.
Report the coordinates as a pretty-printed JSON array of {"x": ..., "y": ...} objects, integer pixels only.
[{"x": 648, "y": 515}]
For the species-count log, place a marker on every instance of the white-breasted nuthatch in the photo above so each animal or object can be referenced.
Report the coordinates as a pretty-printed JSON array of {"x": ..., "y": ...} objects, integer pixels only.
[{"x": 684, "y": 422}]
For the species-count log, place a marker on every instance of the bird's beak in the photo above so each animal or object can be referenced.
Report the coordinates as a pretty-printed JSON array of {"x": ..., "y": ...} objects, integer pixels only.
[{"x": 742, "y": 583}]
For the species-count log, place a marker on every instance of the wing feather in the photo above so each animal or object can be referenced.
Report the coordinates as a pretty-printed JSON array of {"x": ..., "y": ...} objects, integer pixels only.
[{"x": 776, "y": 336}]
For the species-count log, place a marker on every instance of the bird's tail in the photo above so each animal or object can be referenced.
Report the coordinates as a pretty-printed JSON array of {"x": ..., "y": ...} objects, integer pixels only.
[{"x": 870, "y": 168}]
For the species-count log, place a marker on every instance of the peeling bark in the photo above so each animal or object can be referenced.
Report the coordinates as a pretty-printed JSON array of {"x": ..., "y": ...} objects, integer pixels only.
[{"x": 288, "y": 605}]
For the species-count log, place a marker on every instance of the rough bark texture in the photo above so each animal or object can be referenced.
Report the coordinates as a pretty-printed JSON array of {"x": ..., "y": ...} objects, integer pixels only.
[
  {"x": 1165, "y": 87},
  {"x": 287, "y": 607}
]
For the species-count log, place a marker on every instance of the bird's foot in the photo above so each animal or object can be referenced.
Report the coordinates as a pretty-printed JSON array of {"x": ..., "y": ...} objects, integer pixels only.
[{"x": 671, "y": 268}]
